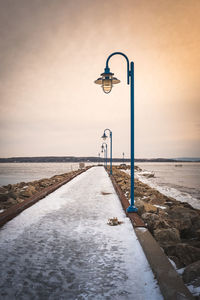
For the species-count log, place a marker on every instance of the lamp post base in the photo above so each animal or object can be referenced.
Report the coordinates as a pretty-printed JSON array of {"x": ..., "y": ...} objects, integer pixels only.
[{"x": 131, "y": 209}]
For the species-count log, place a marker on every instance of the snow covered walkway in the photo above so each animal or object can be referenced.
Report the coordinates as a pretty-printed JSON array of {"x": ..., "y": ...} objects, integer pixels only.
[{"x": 62, "y": 247}]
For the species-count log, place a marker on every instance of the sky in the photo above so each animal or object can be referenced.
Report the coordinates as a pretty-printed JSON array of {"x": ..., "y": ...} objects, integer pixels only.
[{"x": 52, "y": 51}]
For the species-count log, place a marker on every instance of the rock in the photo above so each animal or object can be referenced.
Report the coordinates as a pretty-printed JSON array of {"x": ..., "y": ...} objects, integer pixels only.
[
  {"x": 32, "y": 189},
  {"x": 150, "y": 208},
  {"x": 4, "y": 197},
  {"x": 144, "y": 207},
  {"x": 167, "y": 236},
  {"x": 154, "y": 221},
  {"x": 137, "y": 168},
  {"x": 140, "y": 206},
  {"x": 192, "y": 272},
  {"x": 44, "y": 183},
  {"x": 3, "y": 190},
  {"x": 12, "y": 194},
  {"x": 186, "y": 220},
  {"x": 177, "y": 262},
  {"x": 185, "y": 253},
  {"x": 198, "y": 234},
  {"x": 148, "y": 175},
  {"x": 179, "y": 212},
  {"x": 19, "y": 200},
  {"x": 9, "y": 187},
  {"x": 11, "y": 201},
  {"x": 21, "y": 184},
  {"x": 27, "y": 193}
]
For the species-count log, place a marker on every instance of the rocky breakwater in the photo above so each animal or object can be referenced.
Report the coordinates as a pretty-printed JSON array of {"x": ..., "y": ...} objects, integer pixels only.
[
  {"x": 175, "y": 225},
  {"x": 13, "y": 194}
]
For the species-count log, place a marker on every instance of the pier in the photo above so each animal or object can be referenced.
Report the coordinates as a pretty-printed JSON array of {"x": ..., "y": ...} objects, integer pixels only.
[{"x": 63, "y": 247}]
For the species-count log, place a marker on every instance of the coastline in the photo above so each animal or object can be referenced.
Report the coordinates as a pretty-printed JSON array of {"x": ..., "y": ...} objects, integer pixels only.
[
  {"x": 175, "y": 226},
  {"x": 16, "y": 195}
]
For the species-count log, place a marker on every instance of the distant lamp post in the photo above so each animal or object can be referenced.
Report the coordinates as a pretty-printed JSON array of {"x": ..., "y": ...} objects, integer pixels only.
[
  {"x": 106, "y": 81},
  {"x": 104, "y": 137},
  {"x": 104, "y": 149},
  {"x": 123, "y": 157}
]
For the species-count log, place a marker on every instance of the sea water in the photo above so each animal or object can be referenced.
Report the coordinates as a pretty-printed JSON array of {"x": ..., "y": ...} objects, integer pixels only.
[
  {"x": 11, "y": 173},
  {"x": 178, "y": 180}
]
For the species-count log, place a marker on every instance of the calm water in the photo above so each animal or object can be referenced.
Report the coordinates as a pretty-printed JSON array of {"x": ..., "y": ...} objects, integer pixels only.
[
  {"x": 176, "y": 181},
  {"x": 179, "y": 180},
  {"x": 11, "y": 173}
]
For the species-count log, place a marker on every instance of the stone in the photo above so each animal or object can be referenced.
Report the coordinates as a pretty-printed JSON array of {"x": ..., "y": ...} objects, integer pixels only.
[
  {"x": 3, "y": 190},
  {"x": 144, "y": 207},
  {"x": 11, "y": 201},
  {"x": 148, "y": 175},
  {"x": 4, "y": 197},
  {"x": 180, "y": 212},
  {"x": 27, "y": 191},
  {"x": 167, "y": 235},
  {"x": 198, "y": 234},
  {"x": 149, "y": 208},
  {"x": 186, "y": 220},
  {"x": 19, "y": 200},
  {"x": 44, "y": 183},
  {"x": 191, "y": 272},
  {"x": 185, "y": 253},
  {"x": 140, "y": 206},
  {"x": 32, "y": 189},
  {"x": 154, "y": 221}
]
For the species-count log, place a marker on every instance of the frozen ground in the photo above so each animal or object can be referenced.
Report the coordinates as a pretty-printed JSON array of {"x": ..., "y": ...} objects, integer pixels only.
[{"x": 62, "y": 247}]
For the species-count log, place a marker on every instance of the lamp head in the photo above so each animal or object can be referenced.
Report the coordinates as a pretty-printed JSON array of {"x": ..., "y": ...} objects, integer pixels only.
[
  {"x": 107, "y": 80},
  {"x": 104, "y": 136}
]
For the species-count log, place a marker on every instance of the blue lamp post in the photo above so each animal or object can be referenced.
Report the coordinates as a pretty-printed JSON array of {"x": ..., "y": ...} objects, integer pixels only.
[
  {"x": 104, "y": 137},
  {"x": 106, "y": 81},
  {"x": 104, "y": 148}
]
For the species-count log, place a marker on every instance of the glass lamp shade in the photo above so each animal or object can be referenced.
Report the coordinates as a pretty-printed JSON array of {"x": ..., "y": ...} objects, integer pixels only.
[
  {"x": 98, "y": 81},
  {"x": 107, "y": 80},
  {"x": 104, "y": 136},
  {"x": 107, "y": 85}
]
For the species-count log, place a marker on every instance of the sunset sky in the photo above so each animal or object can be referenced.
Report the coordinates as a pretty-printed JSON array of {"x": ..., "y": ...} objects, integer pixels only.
[{"x": 52, "y": 51}]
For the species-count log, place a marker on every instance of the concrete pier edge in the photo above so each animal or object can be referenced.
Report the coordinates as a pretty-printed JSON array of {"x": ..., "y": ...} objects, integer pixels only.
[{"x": 171, "y": 284}]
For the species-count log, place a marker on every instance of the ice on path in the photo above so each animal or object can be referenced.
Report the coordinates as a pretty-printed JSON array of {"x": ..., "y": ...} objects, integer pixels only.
[{"x": 62, "y": 247}]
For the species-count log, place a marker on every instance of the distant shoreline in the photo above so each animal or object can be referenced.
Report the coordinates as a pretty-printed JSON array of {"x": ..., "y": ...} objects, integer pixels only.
[{"x": 73, "y": 159}]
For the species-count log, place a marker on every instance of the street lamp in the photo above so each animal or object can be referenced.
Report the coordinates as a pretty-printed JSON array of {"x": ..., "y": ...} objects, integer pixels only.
[
  {"x": 123, "y": 157},
  {"x": 104, "y": 148},
  {"x": 107, "y": 80},
  {"x": 104, "y": 137}
]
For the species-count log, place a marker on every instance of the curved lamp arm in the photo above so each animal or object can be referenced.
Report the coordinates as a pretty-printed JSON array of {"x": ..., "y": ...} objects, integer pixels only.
[
  {"x": 107, "y": 129},
  {"x": 127, "y": 60}
]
